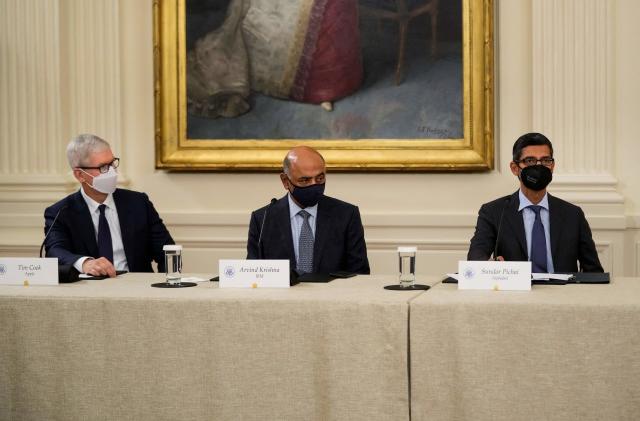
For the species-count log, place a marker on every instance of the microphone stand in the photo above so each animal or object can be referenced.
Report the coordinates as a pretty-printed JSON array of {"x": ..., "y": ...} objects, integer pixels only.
[
  {"x": 264, "y": 218},
  {"x": 50, "y": 228},
  {"x": 495, "y": 248}
]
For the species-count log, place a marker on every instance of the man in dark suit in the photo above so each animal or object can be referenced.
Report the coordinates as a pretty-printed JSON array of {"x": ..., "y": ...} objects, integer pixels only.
[
  {"x": 101, "y": 229},
  {"x": 531, "y": 224},
  {"x": 317, "y": 233}
]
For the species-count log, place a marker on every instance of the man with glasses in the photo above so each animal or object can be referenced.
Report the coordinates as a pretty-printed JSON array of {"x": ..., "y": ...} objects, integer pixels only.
[
  {"x": 101, "y": 229},
  {"x": 316, "y": 233},
  {"x": 531, "y": 225}
]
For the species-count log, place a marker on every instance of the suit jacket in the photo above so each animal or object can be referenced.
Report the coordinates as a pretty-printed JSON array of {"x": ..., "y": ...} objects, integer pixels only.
[
  {"x": 73, "y": 235},
  {"x": 339, "y": 239},
  {"x": 571, "y": 240}
]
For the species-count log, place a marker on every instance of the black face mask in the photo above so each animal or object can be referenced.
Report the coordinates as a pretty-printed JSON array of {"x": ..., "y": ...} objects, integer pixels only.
[
  {"x": 307, "y": 196},
  {"x": 536, "y": 177}
]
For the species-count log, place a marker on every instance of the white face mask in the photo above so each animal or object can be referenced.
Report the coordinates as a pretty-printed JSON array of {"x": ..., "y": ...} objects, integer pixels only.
[{"x": 104, "y": 183}]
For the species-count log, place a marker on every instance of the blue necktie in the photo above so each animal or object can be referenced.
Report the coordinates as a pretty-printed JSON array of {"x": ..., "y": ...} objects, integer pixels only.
[
  {"x": 538, "y": 243},
  {"x": 105, "y": 247},
  {"x": 305, "y": 245}
]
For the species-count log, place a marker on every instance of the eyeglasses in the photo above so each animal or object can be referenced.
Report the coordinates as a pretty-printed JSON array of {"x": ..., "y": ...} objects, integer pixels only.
[
  {"x": 529, "y": 161},
  {"x": 104, "y": 168}
]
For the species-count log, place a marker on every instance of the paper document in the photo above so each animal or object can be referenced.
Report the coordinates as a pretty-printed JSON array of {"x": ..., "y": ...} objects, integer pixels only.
[
  {"x": 453, "y": 275},
  {"x": 193, "y": 279},
  {"x": 547, "y": 276}
]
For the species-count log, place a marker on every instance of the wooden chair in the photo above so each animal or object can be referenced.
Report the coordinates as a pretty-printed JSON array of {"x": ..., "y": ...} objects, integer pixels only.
[{"x": 403, "y": 15}]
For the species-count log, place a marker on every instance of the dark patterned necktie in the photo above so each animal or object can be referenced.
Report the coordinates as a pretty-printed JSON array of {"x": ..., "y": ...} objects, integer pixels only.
[
  {"x": 105, "y": 247},
  {"x": 305, "y": 245},
  {"x": 538, "y": 243}
]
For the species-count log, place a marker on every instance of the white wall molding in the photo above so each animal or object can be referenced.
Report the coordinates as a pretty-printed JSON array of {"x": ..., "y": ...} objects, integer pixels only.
[
  {"x": 409, "y": 224},
  {"x": 30, "y": 114},
  {"x": 19, "y": 250},
  {"x": 240, "y": 218},
  {"x": 59, "y": 76},
  {"x": 603, "y": 182},
  {"x": 572, "y": 95},
  {"x": 34, "y": 188},
  {"x": 240, "y": 241},
  {"x": 92, "y": 47},
  {"x": 633, "y": 221}
]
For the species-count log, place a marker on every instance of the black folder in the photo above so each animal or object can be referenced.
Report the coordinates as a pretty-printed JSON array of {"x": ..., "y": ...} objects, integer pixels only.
[
  {"x": 315, "y": 277},
  {"x": 98, "y": 277},
  {"x": 590, "y": 278}
]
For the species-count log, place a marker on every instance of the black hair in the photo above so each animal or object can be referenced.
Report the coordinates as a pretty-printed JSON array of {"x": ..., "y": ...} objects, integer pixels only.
[{"x": 530, "y": 139}]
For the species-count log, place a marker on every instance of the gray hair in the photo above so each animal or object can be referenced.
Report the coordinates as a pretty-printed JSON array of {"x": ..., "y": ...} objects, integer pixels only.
[
  {"x": 79, "y": 149},
  {"x": 286, "y": 164}
]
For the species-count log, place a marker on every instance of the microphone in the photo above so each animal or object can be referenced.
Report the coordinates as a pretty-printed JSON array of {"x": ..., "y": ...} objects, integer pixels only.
[
  {"x": 264, "y": 218},
  {"x": 504, "y": 206},
  {"x": 49, "y": 230}
]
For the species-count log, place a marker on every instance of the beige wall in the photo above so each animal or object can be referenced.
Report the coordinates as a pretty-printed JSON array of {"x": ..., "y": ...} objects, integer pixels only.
[
  {"x": 627, "y": 111},
  {"x": 93, "y": 59}
]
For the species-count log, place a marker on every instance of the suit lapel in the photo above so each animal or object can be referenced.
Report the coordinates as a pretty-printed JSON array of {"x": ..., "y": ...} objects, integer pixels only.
[
  {"x": 515, "y": 221},
  {"x": 321, "y": 233},
  {"x": 555, "y": 222},
  {"x": 83, "y": 224},
  {"x": 127, "y": 224},
  {"x": 283, "y": 225}
]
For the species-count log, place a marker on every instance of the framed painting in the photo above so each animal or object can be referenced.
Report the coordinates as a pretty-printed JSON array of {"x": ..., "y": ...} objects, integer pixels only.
[{"x": 374, "y": 85}]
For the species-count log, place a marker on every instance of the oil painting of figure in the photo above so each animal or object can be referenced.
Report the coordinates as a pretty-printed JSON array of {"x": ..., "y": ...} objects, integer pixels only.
[{"x": 324, "y": 69}]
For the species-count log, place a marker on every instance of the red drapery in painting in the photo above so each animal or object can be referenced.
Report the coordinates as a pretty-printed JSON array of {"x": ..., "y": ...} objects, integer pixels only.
[{"x": 332, "y": 66}]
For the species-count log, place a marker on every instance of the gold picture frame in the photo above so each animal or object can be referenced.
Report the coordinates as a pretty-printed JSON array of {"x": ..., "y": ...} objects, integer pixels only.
[{"x": 473, "y": 152}]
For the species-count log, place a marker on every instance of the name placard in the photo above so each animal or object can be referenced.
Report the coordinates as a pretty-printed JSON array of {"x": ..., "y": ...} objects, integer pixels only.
[
  {"x": 495, "y": 275},
  {"x": 28, "y": 271},
  {"x": 254, "y": 273}
]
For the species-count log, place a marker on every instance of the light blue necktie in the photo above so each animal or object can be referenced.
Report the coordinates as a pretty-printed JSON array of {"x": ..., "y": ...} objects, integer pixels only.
[
  {"x": 305, "y": 245},
  {"x": 538, "y": 243}
]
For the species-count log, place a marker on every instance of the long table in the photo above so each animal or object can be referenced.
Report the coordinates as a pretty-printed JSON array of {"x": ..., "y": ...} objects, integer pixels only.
[
  {"x": 346, "y": 350},
  {"x": 565, "y": 352},
  {"x": 118, "y": 349}
]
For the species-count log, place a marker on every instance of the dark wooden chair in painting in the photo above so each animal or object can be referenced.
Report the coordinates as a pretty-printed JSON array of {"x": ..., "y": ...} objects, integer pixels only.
[{"x": 402, "y": 12}]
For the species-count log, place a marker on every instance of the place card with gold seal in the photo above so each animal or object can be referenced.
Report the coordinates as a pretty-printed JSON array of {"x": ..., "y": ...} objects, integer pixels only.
[
  {"x": 494, "y": 275},
  {"x": 28, "y": 271},
  {"x": 242, "y": 273}
]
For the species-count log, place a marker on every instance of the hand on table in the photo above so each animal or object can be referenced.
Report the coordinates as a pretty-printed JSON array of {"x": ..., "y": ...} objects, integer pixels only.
[{"x": 98, "y": 267}]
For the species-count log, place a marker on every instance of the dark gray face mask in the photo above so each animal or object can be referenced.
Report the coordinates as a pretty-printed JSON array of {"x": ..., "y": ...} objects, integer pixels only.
[
  {"x": 536, "y": 177},
  {"x": 307, "y": 196}
]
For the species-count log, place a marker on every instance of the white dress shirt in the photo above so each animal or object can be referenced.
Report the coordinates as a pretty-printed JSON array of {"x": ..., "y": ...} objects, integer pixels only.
[
  {"x": 297, "y": 220},
  {"x": 111, "y": 213},
  {"x": 529, "y": 217}
]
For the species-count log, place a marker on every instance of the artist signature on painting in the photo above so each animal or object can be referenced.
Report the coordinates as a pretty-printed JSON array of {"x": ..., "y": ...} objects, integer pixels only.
[{"x": 434, "y": 132}]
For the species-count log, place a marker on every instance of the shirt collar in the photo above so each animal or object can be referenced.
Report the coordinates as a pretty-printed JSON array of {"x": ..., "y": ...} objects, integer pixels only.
[
  {"x": 524, "y": 202},
  {"x": 294, "y": 208},
  {"x": 93, "y": 205}
]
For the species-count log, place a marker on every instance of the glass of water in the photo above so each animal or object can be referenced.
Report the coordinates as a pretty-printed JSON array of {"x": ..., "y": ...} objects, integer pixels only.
[
  {"x": 407, "y": 263},
  {"x": 173, "y": 263}
]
